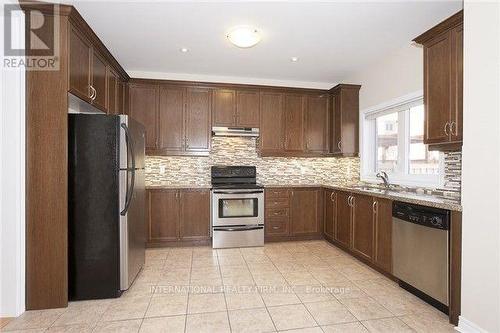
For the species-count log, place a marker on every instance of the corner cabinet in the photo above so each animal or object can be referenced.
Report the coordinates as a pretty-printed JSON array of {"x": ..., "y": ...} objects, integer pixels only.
[
  {"x": 443, "y": 83},
  {"x": 178, "y": 215},
  {"x": 343, "y": 120}
]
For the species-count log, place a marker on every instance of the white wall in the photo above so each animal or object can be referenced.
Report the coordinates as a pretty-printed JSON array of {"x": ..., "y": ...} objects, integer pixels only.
[
  {"x": 481, "y": 169},
  {"x": 12, "y": 146},
  {"x": 397, "y": 75}
]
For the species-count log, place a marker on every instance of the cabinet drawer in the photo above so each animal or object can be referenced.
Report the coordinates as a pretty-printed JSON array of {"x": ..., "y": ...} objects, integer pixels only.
[
  {"x": 277, "y": 226},
  {"x": 277, "y": 212},
  {"x": 277, "y": 193},
  {"x": 277, "y": 203}
]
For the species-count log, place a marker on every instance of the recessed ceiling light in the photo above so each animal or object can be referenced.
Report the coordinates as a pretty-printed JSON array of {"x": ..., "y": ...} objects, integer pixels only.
[
  {"x": 184, "y": 50},
  {"x": 243, "y": 36},
  {"x": 294, "y": 59}
]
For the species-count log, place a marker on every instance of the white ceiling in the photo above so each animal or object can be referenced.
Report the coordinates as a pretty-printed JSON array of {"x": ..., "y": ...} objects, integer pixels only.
[{"x": 331, "y": 39}]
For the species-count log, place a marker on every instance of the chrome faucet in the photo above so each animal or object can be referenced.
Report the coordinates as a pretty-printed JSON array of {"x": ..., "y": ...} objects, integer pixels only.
[{"x": 385, "y": 178}]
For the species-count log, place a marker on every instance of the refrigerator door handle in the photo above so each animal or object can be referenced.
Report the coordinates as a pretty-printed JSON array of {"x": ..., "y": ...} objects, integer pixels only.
[{"x": 130, "y": 150}]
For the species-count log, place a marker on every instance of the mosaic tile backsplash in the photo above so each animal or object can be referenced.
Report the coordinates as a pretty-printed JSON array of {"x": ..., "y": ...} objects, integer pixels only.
[{"x": 191, "y": 171}]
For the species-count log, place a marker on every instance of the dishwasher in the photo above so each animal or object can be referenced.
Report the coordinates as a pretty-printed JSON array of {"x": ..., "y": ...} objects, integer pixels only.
[{"x": 420, "y": 251}]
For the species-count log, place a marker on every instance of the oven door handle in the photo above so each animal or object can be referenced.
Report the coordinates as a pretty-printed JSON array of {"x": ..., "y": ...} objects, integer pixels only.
[
  {"x": 238, "y": 228},
  {"x": 236, "y": 192}
]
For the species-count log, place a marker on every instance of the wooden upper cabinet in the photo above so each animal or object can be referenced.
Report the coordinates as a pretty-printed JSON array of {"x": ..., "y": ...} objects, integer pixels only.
[
  {"x": 198, "y": 115},
  {"x": 164, "y": 215},
  {"x": 443, "y": 83},
  {"x": 224, "y": 107},
  {"x": 195, "y": 214},
  {"x": 344, "y": 116},
  {"x": 362, "y": 225},
  {"x": 171, "y": 118},
  {"x": 316, "y": 123},
  {"x": 330, "y": 208},
  {"x": 247, "y": 108},
  {"x": 304, "y": 211},
  {"x": 99, "y": 71},
  {"x": 343, "y": 225},
  {"x": 113, "y": 92},
  {"x": 79, "y": 64},
  {"x": 271, "y": 122},
  {"x": 143, "y": 106},
  {"x": 382, "y": 256},
  {"x": 294, "y": 122}
]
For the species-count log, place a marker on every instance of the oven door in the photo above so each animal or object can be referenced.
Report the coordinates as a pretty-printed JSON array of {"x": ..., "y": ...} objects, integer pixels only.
[{"x": 237, "y": 207}]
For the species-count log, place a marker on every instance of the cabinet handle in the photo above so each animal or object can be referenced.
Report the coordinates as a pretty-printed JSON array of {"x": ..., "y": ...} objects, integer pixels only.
[
  {"x": 453, "y": 124},
  {"x": 331, "y": 197},
  {"x": 375, "y": 206},
  {"x": 187, "y": 142},
  {"x": 275, "y": 228},
  {"x": 339, "y": 145},
  {"x": 177, "y": 195},
  {"x": 93, "y": 93},
  {"x": 446, "y": 128}
]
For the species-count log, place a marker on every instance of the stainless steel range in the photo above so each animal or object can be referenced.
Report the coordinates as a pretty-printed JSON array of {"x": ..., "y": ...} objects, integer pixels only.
[{"x": 237, "y": 207}]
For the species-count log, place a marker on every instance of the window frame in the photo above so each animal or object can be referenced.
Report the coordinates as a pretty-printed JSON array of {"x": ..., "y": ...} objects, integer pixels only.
[{"x": 368, "y": 145}]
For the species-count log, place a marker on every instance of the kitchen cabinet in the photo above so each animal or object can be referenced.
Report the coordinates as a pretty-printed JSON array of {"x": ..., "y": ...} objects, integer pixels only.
[
  {"x": 443, "y": 83},
  {"x": 304, "y": 211},
  {"x": 176, "y": 215},
  {"x": 271, "y": 123},
  {"x": 79, "y": 65},
  {"x": 343, "y": 219},
  {"x": 236, "y": 108},
  {"x": 316, "y": 123},
  {"x": 113, "y": 92},
  {"x": 121, "y": 104},
  {"x": 382, "y": 217},
  {"x": 330, "y": 214},
  {"x": 343, "y": 133},
  {"x": 362, "y": 225},
  {"x": 163, "y": 215},
  {"x": 184, "y": 120},
  {"x": 294, "y": 122},
  {"x": 277, "y": 212},
  {"x": 143, "y": 106},
  {"x": 98, "y": 81}
]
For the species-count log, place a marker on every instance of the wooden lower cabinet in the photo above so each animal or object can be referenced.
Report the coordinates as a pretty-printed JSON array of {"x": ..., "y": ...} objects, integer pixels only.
[
  {"x": 178, "y": 215},
  {"x": 330, "y": 212},
  {"x": 293, "y": 213},
  {"x": 382, "y": 217},
  {"x": 362, "y": 225},
  {"x": 343, "y": 219}
]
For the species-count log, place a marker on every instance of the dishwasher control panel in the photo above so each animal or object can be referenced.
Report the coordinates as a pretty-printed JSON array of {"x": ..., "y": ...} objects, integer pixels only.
[{"x": 426, "y": 216}]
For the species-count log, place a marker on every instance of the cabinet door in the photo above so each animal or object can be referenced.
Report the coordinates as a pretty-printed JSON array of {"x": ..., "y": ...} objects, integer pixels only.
[
  {"x": 304, "y": 211},
  {"x": 343, "y": 225},
  {"x": 195, "y": 214},
  {"x": 271, "y": 122},
  {"x": 112, "y": 92},
  {"x": 79, "y": 64},
  {"x": 197, "y": 116},
  {"x": 99, "y": 80},
  {"x": 330, "y": 208},
  {"x": 247, "y": 108},
  {"x": 337, "y": 124},
  {"x": 457, "y": 86},
  {"x": 382, "y": 256},
  {"x": 171, "y": 118},
  {"x": 120, "y": 98},
  {"x": 143, "y": 107},
  {"x": 362, "y": 225},
  {"x": 316, "y": 120},
  {"x": 437, "y": 74},
  {"x": 224, "y": 107},
  {"x": 163, "y": 215},
  {"x": 294, "y": 122},
  {"x": 349, "y": 121}
]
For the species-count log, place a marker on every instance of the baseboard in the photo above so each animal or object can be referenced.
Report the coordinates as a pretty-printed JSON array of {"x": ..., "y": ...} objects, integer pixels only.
[{"x": 467, "y": 326}]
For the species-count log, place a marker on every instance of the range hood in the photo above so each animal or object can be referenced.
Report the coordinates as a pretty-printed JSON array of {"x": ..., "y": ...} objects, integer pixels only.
[{"x": 235, "y": 131}]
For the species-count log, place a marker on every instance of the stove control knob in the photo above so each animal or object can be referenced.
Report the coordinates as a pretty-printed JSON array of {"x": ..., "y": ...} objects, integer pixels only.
[{"x": 436, "y": 221}]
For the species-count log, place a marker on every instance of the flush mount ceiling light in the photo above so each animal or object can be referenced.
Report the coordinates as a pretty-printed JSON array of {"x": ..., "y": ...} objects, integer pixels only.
[
  {"x": 294, "y": 59},
  {"x": 184, "y": 50},
  {"x": 243, "y": 36}
]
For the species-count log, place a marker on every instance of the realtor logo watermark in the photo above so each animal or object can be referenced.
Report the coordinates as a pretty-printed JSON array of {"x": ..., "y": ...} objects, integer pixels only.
[{"x": 37, "y": 48}]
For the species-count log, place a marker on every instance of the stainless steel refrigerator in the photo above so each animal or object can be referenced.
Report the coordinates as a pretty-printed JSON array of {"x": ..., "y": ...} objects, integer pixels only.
[{"x": 106, "y": 209}]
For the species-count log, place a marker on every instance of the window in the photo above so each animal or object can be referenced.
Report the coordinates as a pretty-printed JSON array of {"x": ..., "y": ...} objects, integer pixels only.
[{"x": 392, "y": 141}]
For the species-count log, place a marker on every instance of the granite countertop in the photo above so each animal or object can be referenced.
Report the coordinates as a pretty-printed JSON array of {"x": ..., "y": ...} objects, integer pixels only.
[
  {"x": 431, "y": 200},
  {"x": 437, "y": 201}
]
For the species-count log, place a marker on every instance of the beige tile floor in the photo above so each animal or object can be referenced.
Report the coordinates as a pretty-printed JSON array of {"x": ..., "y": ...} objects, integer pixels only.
[{"x": 295, "y": 287}]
